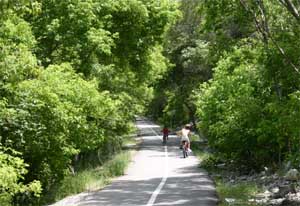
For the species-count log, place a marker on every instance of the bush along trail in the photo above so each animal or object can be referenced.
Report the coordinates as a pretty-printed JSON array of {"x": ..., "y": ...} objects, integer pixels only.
[{"x": 72, "y": 76}]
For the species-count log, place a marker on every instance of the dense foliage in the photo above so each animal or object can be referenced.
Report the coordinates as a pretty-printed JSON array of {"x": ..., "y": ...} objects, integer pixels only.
[
  {"x": 72, "y": 76},
  {"x": 187, "y": 52},
  {"x": 74, "y": 73},
  {"x": 249, "y": 109}
]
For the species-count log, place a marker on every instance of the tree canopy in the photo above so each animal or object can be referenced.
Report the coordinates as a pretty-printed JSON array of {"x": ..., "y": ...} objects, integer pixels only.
[
  {"x": 74, "y": 73},
  {"x": 72, "y": 76},
  {"x": 236, "y": 75}
]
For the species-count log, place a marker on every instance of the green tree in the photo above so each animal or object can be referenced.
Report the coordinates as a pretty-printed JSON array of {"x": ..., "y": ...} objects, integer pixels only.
[
  {"x": 72, "y": 76},
  {"x": 188, "y": 51},
  {"x": 12, "y": 171},
  {"x": 259, "y": 25}
]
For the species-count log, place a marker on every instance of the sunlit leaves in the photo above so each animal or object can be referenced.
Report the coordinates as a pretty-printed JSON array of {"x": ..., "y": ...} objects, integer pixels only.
[
  {"x": 60, "y": 114},
  {"x": 72, "y": 76},
  {"x": 230, "y": 103},
  {"x": 12, "y": 170}
]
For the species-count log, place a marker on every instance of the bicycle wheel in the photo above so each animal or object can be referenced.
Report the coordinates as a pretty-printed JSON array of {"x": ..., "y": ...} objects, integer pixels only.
[
  {"x": 164, "y": 140},
  {"x": 184, "y": 151}
]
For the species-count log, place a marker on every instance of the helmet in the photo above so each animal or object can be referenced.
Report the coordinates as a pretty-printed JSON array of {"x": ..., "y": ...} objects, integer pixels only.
[{"x": 187, "y": 126}]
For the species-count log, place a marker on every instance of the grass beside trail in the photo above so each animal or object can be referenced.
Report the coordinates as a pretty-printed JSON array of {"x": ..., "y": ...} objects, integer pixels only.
[
  {"x": 94, "y": 178},
  {"x": 236, "y": 193},
  {"x": 240, "y": 192},
  {"x": 129, "y": 140}
]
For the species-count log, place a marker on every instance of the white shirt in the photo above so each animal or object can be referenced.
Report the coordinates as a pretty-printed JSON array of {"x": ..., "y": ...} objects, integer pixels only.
[{"x": 185, "y": 135}]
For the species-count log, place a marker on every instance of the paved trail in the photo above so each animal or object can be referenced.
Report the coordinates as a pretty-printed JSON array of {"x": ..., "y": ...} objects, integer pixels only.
[{"x": 158, "y": 176}]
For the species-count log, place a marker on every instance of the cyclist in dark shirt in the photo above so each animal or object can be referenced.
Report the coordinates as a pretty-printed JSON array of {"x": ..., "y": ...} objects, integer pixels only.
[{"x": 165, "y": 132}]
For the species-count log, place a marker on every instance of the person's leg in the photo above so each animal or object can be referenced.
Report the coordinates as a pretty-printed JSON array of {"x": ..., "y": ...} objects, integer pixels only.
[
  {"x": 187, "y": 143},
  {"x": 189, "y": 146},
  {"x": 183, "y": 144},
  {"x": 164, "y": 138}
]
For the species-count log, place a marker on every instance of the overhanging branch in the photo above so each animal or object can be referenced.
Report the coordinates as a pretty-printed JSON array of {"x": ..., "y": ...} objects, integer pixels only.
[{"x": 263, "y": 28}]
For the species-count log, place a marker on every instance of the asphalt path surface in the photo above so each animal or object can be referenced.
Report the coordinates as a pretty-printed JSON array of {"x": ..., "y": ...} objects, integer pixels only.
[{"x": 157, "y": 176}]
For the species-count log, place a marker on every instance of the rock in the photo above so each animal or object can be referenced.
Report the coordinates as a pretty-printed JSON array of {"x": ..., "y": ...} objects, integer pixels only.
[
  {"x": 292, "y": 174},
  {"x": 267, "y": 170},
  {"x": 287, "y": 202},
  {"x": 221, "y": 166},
  {"x": 263, "y": 201},
  {"x": 274, "y": 189},
  {"x": 294, "y": 198},
  {"x": 230, "y": 200},
  {"x": 255, "y": 201},
  {"x": 275, "y": 176},
  {"x": 264, "y": 195},
  {"x": 243, "y": 178},
  {"x": 251, "y": 200},
  {"x": 263, "y": 177},
  {"x": 279, "y": 190},
  {"x": 283, "y": 191},
  {"x": 277, "y": 201}
]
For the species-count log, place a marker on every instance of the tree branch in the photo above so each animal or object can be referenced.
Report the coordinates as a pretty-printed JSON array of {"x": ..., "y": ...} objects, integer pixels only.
[
  {"x": 263, "y": 28},
  {"x": 291, "y": 8}
]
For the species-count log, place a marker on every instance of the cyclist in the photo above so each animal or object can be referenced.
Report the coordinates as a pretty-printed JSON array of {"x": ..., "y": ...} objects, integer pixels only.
[
  {"x": 185, "y": 133},
  {"x": 165, "y": 132}
]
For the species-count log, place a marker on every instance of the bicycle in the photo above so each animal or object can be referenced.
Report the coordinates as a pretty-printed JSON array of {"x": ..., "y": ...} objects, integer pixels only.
[
  {"x": 185, "y": 148},
  {"x": 165, "y": 137}
]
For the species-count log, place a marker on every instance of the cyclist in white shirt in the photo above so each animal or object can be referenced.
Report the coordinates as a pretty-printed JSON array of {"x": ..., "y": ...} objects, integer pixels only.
[{"x": 185, "y": 133}]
